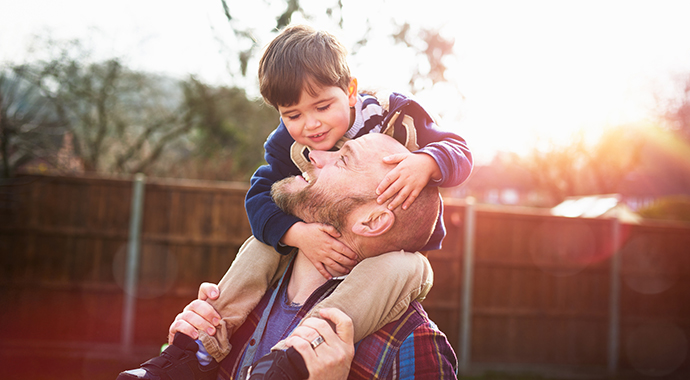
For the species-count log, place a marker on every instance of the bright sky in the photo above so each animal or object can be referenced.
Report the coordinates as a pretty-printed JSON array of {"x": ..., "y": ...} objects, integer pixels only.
[{"x": 525, "y": 69}]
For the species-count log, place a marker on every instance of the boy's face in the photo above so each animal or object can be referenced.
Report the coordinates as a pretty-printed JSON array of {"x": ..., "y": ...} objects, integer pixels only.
[{"x": 320, "y": 121}]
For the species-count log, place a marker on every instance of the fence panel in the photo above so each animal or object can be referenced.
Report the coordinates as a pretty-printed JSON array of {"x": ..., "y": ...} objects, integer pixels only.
[{"x": 541, "y": 290}]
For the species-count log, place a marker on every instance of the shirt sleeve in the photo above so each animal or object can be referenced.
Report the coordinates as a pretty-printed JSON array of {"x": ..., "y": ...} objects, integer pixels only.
[
  {"x": 426, "y": 354},
  {"x": 268, "y": 222},
  {"x": 449, "y": 150}
]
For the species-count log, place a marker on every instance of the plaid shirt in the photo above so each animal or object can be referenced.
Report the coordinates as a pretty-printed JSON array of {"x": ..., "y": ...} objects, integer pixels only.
[{"x": 409, "y": 348}]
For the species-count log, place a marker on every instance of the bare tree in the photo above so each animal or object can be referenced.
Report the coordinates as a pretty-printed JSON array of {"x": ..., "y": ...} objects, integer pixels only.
[
  {"x": 617, "y": 154},
  {"x": 29, "y": 124},
  {"x": 121, "y": 120},
  {"x": 430, "y": 47},
  {"x": 577, "y": 168},
  {"x": 557, "y": 170},
  {"x": 677, "y": 110}
]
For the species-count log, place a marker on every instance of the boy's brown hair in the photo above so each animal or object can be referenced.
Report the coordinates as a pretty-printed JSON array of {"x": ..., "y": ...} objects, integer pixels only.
[{"x": 301, "y": 57}]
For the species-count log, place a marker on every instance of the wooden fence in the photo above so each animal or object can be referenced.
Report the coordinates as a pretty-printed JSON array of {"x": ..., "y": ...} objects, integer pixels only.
[{"x": 510, "y": 288}]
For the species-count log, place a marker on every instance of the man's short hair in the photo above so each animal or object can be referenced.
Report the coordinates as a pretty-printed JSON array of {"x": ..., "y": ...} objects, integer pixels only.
[
  {"x": 413, "y": 227},
  {"x": 410, "y": 232},
  {"x": 301, "y": 57}
]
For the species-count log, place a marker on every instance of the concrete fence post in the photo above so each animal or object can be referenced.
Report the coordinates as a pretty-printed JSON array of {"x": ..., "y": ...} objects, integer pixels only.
[
  {"x": 468, "y": 273},
  {"x": 614, "y": 296},
  {"x": 132, "y": 267}
]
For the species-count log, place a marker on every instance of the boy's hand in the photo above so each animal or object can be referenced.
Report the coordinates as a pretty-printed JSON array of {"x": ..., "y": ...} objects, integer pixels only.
[
  {"x": 407, "y": 179},
  {"x": 320, "y": 244}
]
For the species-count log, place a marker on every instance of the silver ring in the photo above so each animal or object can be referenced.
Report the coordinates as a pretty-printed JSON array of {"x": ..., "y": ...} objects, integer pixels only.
[{"x": 316, "y": 342}]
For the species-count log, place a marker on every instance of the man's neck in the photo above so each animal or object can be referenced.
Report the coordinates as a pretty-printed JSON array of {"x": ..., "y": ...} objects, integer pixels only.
[{"x": 304, "y": 281}]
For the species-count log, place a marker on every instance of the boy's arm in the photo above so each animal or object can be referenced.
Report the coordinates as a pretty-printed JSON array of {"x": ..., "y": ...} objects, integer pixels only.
[
  {"x": 268, "y": 222},
  {"x": 442, "y": 158},
  {"x": 449, "y": 150},
  {"x": 271, "y": 226}
]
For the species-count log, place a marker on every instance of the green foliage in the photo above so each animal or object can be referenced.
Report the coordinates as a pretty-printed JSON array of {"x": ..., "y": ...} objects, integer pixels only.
[
  {"x": 226, "y": 142},
  {"x": 668, "y": 208}
]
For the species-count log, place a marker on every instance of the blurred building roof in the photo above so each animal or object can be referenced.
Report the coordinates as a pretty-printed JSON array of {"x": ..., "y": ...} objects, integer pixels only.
[{"x": 596, "y": 206}]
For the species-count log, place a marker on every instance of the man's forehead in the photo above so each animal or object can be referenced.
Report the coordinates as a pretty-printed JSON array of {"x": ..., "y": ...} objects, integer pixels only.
[
  {"x": 371, "y": 146},
  {"x": 359, "y": 148}
]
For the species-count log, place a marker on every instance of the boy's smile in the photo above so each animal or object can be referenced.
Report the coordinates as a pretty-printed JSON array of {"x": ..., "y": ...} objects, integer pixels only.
[{"x": 320, "y": 120}]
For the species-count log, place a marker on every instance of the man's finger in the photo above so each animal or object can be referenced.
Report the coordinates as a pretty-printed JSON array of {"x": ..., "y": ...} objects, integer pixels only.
[
  {"x": 342, "y": 322},
  {"x": 303, "y": 347}
]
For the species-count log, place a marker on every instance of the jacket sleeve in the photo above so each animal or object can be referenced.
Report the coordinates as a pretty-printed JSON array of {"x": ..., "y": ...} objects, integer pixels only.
[
  {"x": 268, "y": 222},
  {"x": 449, "y": 150}
]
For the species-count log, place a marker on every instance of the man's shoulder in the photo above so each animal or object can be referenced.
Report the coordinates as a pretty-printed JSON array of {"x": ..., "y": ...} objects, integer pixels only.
[
  {"x": 411, "y": 343},
  {"x": 414, "y": 320}
]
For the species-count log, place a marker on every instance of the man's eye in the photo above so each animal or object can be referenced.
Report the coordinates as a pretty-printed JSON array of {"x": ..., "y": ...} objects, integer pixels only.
[{"x": 342, "y": 160}]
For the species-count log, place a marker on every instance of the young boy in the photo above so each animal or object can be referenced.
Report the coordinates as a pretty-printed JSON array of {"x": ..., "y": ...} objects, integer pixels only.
[{"x": 303, "y": 73}]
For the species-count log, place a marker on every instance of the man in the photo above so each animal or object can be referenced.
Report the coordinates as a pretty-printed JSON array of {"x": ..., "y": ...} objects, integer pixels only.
[{"x": 410, "y": 347}]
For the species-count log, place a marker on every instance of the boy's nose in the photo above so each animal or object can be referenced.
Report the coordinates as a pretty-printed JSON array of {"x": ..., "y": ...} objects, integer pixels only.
[{"x": 313, "y": 123}]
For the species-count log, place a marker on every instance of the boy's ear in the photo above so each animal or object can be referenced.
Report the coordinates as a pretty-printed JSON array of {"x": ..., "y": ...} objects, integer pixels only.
[
  {"x": 352, "y": 92},
  {"x": 376, "y": 223}
]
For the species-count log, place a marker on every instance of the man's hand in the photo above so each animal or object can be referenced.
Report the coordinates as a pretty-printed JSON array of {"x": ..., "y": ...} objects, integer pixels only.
[
  {"x": 198, "y": 315},
  {"x": 320, "y": 244},
  {"x": 332, "y": 358},
  {"x": 412, "y": 173}
]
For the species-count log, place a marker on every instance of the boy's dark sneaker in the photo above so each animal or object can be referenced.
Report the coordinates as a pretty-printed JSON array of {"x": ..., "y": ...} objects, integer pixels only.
[
  {"x": 178, "y": 361},
  {"x": 280, "y": 365}
]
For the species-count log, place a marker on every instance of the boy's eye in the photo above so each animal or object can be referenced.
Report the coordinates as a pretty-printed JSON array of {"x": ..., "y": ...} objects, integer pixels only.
[
  {"x": 293, "y": 117},
  {"x": 323, "y": 108}
]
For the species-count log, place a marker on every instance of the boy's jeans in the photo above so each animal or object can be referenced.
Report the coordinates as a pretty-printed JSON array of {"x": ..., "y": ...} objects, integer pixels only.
[{"x": 403, "y": 276}]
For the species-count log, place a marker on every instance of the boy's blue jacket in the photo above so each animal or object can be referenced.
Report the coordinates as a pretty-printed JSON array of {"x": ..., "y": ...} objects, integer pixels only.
[{"x": 450, "y": 151}]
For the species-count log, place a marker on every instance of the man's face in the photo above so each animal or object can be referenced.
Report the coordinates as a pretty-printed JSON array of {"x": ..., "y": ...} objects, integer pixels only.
[{"x": 338, "y": 182}]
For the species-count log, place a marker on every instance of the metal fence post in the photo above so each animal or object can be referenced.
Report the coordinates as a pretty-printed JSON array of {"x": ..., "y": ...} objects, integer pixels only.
[
  {"x": 132, "y": 268},
  {"x": 614, "y": 296},
  {"x": 468, "y": 273}
]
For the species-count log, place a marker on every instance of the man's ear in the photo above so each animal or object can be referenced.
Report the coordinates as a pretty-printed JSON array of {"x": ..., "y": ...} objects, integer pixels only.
[{"x": 376, "y": 223}]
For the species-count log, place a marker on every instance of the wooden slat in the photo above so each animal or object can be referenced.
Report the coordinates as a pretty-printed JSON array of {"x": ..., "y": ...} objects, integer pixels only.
[{"x": 62, "y": 244}]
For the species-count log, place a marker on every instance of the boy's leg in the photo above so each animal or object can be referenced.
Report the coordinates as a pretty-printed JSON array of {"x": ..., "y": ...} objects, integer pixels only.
[
  {"x": 254, "y": 269},
  {"x": 378, "y": 290}
]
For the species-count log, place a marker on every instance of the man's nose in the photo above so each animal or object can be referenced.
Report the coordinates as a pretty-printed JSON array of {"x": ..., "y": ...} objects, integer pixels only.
[{"x": 320, "y": 158}]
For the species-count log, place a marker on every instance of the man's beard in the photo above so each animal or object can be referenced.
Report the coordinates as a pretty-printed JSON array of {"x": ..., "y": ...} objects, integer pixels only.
[{"x": 313, "y": 204}]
